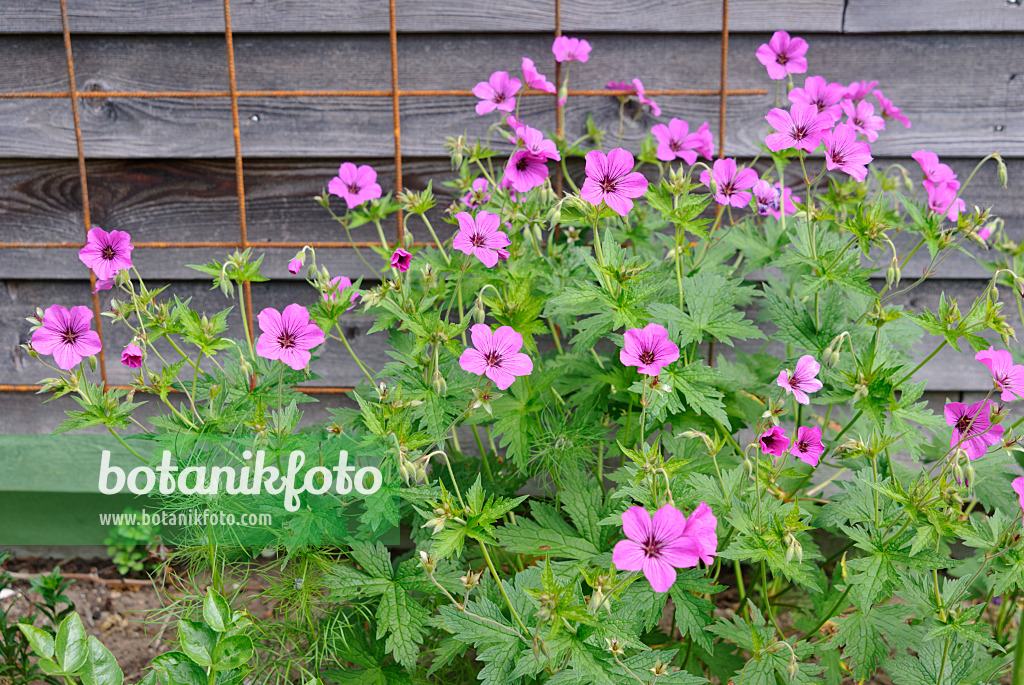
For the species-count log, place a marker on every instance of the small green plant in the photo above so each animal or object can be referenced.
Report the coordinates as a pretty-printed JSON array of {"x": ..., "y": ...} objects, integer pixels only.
[{"x": 130, "y": 543}]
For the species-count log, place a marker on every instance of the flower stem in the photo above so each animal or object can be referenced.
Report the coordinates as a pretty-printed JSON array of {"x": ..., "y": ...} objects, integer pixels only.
[
  {"x": 359, "y": 363},
  {"x": 433, "y": 235},
  {"x": 501, "y": 587}
]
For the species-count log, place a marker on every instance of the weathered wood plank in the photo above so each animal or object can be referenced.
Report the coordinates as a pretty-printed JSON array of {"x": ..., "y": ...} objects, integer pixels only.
[
  {"x": 884, "y": 16},
  {"x": 963, "y": 94}
]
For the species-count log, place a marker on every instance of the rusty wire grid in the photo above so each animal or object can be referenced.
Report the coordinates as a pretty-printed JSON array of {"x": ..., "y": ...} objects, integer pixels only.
[{"x": 234, "y": 94}]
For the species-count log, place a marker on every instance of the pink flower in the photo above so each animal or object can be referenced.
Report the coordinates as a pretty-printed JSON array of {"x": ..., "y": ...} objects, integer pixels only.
[
  {"x": 935, "y": 172},
  {"x": 478, "y": 194},
  {"x": 619, "y": 85},
  {"x": 496, "y": 355},
  {"x": 103, "y": 284},
  {"x": 820, "y": 93},
  {"x": 972, "y": 429},
  {"x": 1008, "y": 377},
  {"x": 984, "y": 232},
  {"x": 534, "y": 142},
  {"x": 730, "y": 184},
  {"x": 481, "y": 237},
  {"x": 942, "y": 199},
  {"x": 67, "y": 335},
  {"x": 340, "y": 284},
  {"x": 1018, "y": 487},
  {"x": 891, "y": 111},
  {"x": 648, "y": 349},
  {"x": 676, "y": 142},
  {"x": 644, "y": 100},
  {"x": 611, "y": 179},
  {"x": 497, "y": 93},
  {"x": 858, "y": 90},
  {"x": 288, "y": 336},
  {"x": 525, "y": 171},
  {"x": 844, "y": 152},
  {"x": 766, "y": 196},
  {"x": 516, "y": 125},
  {"x": 774, "y": 441},
  {"x": 535, "y": 79},
  {"x": 506, "y": 183},
  {"x": 106, "y": 253},
  {"x": 786, "y": 204},
  {"x": 131, "y": 356},
  {"x": 401, "y": 260},
  {"x": 568, "y": 49},
  {"x": 355, "y": 184},
  {"x": 783, "y": 55},
  {"x": 808, "y": 447},
  {"x": 801, "y": 381},
  {"x": 669, "y": 541},
  {"x": 863, "y": 118},
  {"x": 802, "y": 127},
  {"x": 295, "y": 265}
]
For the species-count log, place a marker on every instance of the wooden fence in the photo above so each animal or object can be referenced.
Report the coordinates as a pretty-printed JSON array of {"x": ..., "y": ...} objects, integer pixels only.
[{"x": 166, "y": 168}]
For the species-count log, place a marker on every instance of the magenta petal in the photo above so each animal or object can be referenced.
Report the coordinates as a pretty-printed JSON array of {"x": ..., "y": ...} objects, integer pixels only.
[
  {"x": 659, "y": 574},
  {"x": 473, "y": 361},
  {"x": 668, "y": 523},
  {"x": 629, "y": 555},
  {"x": 636, "y": 524}
]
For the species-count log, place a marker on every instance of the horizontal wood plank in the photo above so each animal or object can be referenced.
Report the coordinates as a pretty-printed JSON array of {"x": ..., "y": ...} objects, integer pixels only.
[{"x": 884, "y": 16}]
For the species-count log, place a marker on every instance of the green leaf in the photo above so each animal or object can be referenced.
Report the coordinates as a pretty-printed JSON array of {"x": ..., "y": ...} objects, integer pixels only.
[
  {"x": 216, "y": 611},
  {"x": 70, "y": 649},
  {"x": 41, "y": 641},
  {"x": 694, "y": 613},
  {"x": 404, "y": 621},
  {"x": 197, "y": 641},
  {"x": 101, "y": 668},
  {"x": 232, "y": 652},
  {"x": 176, "y": 668}
]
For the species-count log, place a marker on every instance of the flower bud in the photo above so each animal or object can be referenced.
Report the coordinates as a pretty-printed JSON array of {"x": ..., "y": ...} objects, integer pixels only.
[
  {"x": 958, "y": 473},
  {"x": 1001, "y": 170},
  {"x": 428, "y": 561},
  {"x": 471, "y": 580},
  {"x": 439, "y": 384},
  {"x": 969, "y": 475},
  {"x": 793, "y": 668},
  {"x": 614, "y": 646}
]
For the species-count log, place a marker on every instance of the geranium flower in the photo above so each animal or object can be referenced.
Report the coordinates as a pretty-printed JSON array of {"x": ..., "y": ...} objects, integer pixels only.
[
  {"x": 891, "y": 111},
  {"x": 480, "y": 237},
  {"x": 847, "y": 154},
  {"x": 669, "y": 541},
  {"x": 611, "y": 179},
  {"x": 802, "y": 380},
  {"x": 1007, "y": 376},
  {"x": 516, "y": 125},
  {"x": 400, "y": 259},
  {"x": 731, "y": 183},
  {"x": 766, "y": 196},
  {"x": 786, "y": 203},
  {"x": 131, "y": 356},
  {"x": 67, "y": 335},
  {"x": 942, "y": 199},
  {"x": 568, "y": 49},
  {"x": 103, "y": 284},
  {"x": 1018, "y": 487},
  {"x": 496, "y": 355},
  {"x": 478, "y": 194},
  {"x": 497, "y": 93},
  {"x": 106, "y": 253},
  {"x": 355, "y": 184},
  {"x": 535, "y": 79},
  {"x": 802, "y": 127},
  {"x": 972, "y": 428},
  {"x": 533, "y": 141},
  {"x": 525, "y": 171},
  {"x": 783, "y": 55},
  {"x": 649, "y": 349},
  {"x": 288, "y": 336},
  {"x": 935, "y": 172},
  {"x": 820, "y": 93},
  {"x": 340, "y": 284},
  {"x": 807, "y": 447},
  {"x": 675, "y": 141},
  {"x": 863, "y": 118},
  {"x": 644, "y": 100},
  {"x": 858, "y": 90},
  {"x": 295, "y": 265},
  {"x": 774, "y": 441}
]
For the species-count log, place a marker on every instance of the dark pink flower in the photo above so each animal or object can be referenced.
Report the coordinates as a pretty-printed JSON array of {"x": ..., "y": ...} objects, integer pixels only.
[
  {"x": 766, "y": 196},
  {"x": 295, "y": 265},
  {"x": 786, "y": 203},
  {"x": 497, "y": 93},
  {"x": 525, "y": 171},
  {"x": 935, "y": 172},
  {"x": 619, "y": 85},
  {"x": 568, "y": 49},
  {"x": 802, "y": 127},
  {"x": 611, "y": 179},
  {"x": 847, "y": 154},
  {"x": 984, "y": 232},
  {"x": 131, "y": 356},
  {"x": 1018, "y": 487},
  {"x": 103, "y": 284},
  {"x": 649, "y": 349},
  {"x": 802, "y": 380},
  {"x": 863, "y": 118},
  {"x": 820, "y": 93},
  {"x": 106, "y": 253},
  {"x": 516, "y": 125},
  {"x": 288, "y": 336},
  {"x": 858, "y": 90},
  {"x": 774, "y": 441},
  {"x": 659, "y": 545},
  {"x": 67, "y": 335},
  {"x": 506, "y": 183},
  {"x": 1008, "y": 377},
  {"x": 535, "y": 79},
  {"x": 355, "y": 184},
  {"x": 496, "y": 355},
  {"x": 400, "y": 259},
  {"x": 891, "y": 111},
  {"x": 644, "y": 100},
  {"x": 942, "y": 199},
  {"x": 783, "y": 55},
  {"x": 731, "y": 183},
  {"x": 807, "y": 447},
  {"x": 972, "y": 428},
  {"x": 533, "y": 141},
  {"x": 478, "y": 194},
  {"x": 339, "y": 285},
  {"x": 480, "y": 237},
  {"x": 675, "y": 141}
]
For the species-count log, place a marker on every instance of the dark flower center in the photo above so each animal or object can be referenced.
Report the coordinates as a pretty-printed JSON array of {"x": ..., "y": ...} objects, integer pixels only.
[
  {"x": 69, "y": 336},
  {"x": 523, "y": 163},
  {"x": 108, "y": 252},
  {"x": 286, "y": 340},
  {"x": 782, "y": 58},
  {"x": 675, "y": 146},
  {"x": 837, "y": 157},
  {"x": 966, "y": 422},
  {"x": 492, "y": 358},
  {"x": 477, "y": 240},
  {"x": 354, "y": 189},
  {"x": 803, "y": 446},
  {"x": 798, "y": 133},
  {"x": 652, "y": 547},
  {"x": 608, "y": 184},
  {"x": 646, "y": 357}
]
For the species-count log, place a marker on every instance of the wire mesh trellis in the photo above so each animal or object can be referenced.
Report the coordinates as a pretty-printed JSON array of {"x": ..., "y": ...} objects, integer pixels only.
[{"x": 233, "y": 94}]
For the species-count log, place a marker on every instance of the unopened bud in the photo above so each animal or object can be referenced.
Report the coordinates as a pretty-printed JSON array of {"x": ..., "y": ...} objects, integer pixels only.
[
  {"x": 793, "y": 668},
  {"x": 958, "y": 473},
  {"x": 969, "y": 475},
  {"x": 439, "y": 384},
  {"x": 1001, "y": 170}
]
